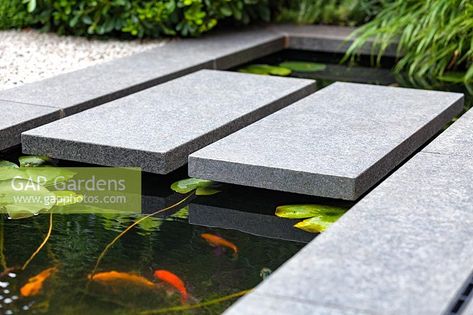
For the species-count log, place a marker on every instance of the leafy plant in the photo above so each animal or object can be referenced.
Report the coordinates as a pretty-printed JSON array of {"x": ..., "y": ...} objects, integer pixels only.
[
  {"x": 138, "y": 18},
  {"x": 14, "y": 14},
  {"x": 266, "y": 70},
  {"x": 302, "y": 66},
  {"x": 318, "y": 217},
  {"x": 435, "y": 37},
  {"x": 202, "y": 187},
  {"x": 340, "y": 12},
  {"x": 24, "y": 189}
]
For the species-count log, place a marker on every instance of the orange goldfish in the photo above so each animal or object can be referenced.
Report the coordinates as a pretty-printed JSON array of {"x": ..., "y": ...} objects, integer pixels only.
[
  {"x": 215, "y": 240},
  {"x": 115, "y": 277},
  {"x": 35, "y": 284},
  {"x": 174, "y": 281}
]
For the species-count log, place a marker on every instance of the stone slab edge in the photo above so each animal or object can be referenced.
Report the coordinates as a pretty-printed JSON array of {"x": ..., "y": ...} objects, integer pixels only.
[
  {"x": 11, "y": 135},
  {"x": 324, "y": 38}
]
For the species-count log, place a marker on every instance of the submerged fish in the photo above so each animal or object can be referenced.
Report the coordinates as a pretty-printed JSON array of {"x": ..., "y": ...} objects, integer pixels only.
[
  {"x": 174, "y": 281},
  {"x": 115, "y": 277},
  {"x": 35, "y": 284},
  {"x": 215, "y": 240}
]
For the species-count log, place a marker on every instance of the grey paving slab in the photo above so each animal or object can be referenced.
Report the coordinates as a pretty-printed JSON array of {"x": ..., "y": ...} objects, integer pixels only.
[
  {"x": 96, "y": 85},
  {"x": 19, "y": 117},
  {"x": 280, "y": 305},
  {"x": 336, "y": 143},
  {"x": 158, "y": 128},
  {"x": 405, "y": 248},
  {"x": 457, "y": 139},
  {"x": 324, "y": 38},
  {"x": 468, "y": 310},
  {"x": 263, "y": 225}
]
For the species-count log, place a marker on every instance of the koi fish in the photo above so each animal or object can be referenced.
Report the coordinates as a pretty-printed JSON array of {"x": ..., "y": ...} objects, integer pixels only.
[
  {"x": 35, "y": 284},
  {"x": 215, "y": 240},
  {"x": 174, "y": 281},
  {"x": 115, "y": 277}
]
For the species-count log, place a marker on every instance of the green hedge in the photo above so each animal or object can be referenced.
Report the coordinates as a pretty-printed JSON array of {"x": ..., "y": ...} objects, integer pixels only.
[
  {"x": 138, "y": 18},
  {"x": 13, "y": 14}
]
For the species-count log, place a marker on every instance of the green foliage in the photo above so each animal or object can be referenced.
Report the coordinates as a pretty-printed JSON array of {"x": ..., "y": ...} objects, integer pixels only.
[
  {"x": 340, "y": 12},
  {"x": 138, "y": 18},
  {"x": 13, "y": 14},
  {"x": 266, "y": 70},
  {"x": 202, "y": 187},
  {"x": 303, "y": 66},
  {"x": 318, "y": 217},
  {"x": 435, "y": 37}
]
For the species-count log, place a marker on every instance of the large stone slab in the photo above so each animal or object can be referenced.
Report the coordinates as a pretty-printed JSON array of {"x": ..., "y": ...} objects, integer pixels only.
[
  {"x": 92, "y": 86},
  {"x": 456, "y": 140},
  {"x": 336, "y": 143},
  {"x": 323, "y": 38},
  {"x": 158, "y": 128},
  {"x": 405, "y": 248},
  {"x": 19, "y": 117},
  {"x": 281, "y": 305}
]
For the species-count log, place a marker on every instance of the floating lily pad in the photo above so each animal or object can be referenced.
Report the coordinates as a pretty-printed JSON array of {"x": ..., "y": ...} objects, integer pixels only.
[
  {"x": 266, "y": 70},
  {"x": 316, "y": 224},
  {"x": 10, "y": 172},
  {"x": 202, "y": 187},
  {"x": 22, "y": 198},
  {"x": 308, "y": 210},
  {"x": 66, "y": 198},
  {"x": 33, "y": 161},
  {"x": 301, "y": 66},
  {"x": 149, "y": 225},
  {"x": 47, "y": 175},
  {"x": 182, "y": 214},
  {"x": 8, "y": 164}
]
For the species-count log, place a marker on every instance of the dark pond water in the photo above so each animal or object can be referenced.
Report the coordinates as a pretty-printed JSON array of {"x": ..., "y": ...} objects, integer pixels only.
[
  {"x": 361, "y": 72},
  {"x": 171, "y": 241}
]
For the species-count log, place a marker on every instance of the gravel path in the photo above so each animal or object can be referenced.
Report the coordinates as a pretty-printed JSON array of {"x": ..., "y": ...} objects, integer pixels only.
[{"x": 27, "y": 56}]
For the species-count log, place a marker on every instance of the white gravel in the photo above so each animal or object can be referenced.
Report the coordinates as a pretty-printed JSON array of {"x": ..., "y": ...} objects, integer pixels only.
[{"x": 28, "y": 56}]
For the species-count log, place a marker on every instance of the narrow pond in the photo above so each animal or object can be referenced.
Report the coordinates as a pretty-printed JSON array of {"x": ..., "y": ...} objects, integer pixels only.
[{"x": 196, "y": 257}]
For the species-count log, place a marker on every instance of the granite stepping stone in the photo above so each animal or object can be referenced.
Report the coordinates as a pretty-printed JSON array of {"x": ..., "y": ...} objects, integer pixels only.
[
  {"x": 156, "y": 129},
  {"x": 336, "y": 143},
  {"x": 19, "y": 117},
  {"x": 405, "y": 248}
]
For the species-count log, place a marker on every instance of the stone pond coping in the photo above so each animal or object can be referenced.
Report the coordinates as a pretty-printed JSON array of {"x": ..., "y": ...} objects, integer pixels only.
[
  {"x": 336, "y": 143},
  {"x": 405, "y": 248},
  {"x": 76, "y": 91}
]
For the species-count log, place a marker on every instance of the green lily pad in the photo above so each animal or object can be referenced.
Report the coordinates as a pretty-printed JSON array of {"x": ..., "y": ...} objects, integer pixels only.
[
  {"x": 7, "y": 164},
  {"x": 149, "y": 225},
  {"x": 47, "y": 175},
  {"x": 10, "y": 172},
  {"x": 33, "y": 161},
  {"x": 316, "y": 224},
  {"x": 22, "y": 198},
  {"x": 202, "y": 187},
  {"x": 308, "y": 210},
  {"x": 301, "y": 66},
  {"x": 266, "y": 69},
  {"x": 182, "y": 214},
  {"x": 66, "y": 198}
]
